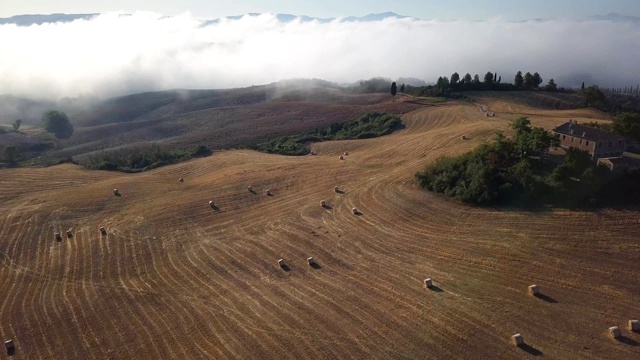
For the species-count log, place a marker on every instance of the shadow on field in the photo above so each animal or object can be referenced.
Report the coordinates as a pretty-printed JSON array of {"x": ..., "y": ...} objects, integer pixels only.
[
  {"x": 628, "y": 341},
  {"x": 215, "y": 207},
  {"x": 286, "y": 267},
  {"x": 315, "y": 265},
  {"x": 436, "y": 288},
  {"x": 546, "y": 298},
  {"x": 328, "y": 207},
  {"x": 530, "y": 349},
  {"x": 339, "y": 192}
]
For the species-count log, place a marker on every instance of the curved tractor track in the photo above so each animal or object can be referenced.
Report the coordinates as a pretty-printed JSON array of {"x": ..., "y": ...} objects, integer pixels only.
[{"x": 175, "y": 278}]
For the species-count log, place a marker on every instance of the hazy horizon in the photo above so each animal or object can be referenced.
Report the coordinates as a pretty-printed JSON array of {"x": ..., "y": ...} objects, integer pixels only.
[{"x": 111, "y": 55}]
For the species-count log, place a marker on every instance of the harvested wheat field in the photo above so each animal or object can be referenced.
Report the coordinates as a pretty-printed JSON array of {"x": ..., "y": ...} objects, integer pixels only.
[{"x": 175, "y": 278}]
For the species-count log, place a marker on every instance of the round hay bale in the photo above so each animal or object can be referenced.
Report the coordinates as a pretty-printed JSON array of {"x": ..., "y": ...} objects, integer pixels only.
[
  {"x": 116, "y": 192},
  {"x": 267, "y": 192},
  {"x": 634, "y": 325},
  {"x": 355, "y": 210},
  {"x": 428, "y": 283},
  {"x": 534, "y": 290},
  {"x": 517, "y": 340},
  {"x": 346, "y": 153},
  {"x": 336, "y": 189},
  {"x": 250, "y": 188},
  {"x": 181, "y": 180},
  {"x": 615, "y": 332},
  {"x": 341, "y": 157},
  {"x": 323, "y": 203}
]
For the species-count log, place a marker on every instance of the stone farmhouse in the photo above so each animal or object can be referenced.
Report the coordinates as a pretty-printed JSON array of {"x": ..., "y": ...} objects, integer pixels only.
[{"x": 597, "y": 142}]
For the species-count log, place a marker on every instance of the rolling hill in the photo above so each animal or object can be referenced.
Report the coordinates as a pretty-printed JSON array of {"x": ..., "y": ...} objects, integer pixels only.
[{"x": 176, "y": 278}]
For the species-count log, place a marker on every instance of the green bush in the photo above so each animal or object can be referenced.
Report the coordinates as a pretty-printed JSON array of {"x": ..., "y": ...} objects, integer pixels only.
[
  {"x": 142, "y": 158},
  {"x": 368, "y": 126}
]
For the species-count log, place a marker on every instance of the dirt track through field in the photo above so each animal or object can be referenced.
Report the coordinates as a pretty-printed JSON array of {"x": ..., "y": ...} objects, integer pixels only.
[{"x": 175, "y": 278}]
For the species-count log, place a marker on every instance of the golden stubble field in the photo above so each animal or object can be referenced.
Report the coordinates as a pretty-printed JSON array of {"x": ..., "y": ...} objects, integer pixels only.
[{"x": 176, "y": 279}]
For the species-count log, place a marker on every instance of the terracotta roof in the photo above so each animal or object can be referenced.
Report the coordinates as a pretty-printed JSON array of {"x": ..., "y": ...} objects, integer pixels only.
[{"x": 586, "y": 132}]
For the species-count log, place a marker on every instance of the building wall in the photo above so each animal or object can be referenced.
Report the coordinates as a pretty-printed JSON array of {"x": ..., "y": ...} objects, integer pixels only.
[
  {"x": 567, "y": 141},
  {"x": 597, "y": 149},
  {"x": 609, "y": 148}
]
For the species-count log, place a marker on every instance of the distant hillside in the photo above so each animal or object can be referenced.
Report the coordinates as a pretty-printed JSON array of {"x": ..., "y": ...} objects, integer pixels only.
[{"x": 217, "y": 119}]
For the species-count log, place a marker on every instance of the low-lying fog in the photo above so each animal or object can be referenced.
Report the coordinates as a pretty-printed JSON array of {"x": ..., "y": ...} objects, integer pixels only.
[{"x": 114, "y": 54}]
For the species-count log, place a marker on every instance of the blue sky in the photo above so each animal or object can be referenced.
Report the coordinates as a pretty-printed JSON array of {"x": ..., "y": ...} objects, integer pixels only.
[{"x": 426, "y": 9}]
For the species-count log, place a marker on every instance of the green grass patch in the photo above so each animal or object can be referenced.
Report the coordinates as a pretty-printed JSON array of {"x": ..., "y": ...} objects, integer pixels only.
[
  {"x": 368, "y": 126},
  {"x": 142, "y": 158}
]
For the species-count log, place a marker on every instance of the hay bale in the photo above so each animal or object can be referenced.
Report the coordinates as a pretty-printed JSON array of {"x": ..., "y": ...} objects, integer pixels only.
[
  {"x": 341, "y": 157},
  {"x": 58, "y": 236},
  {"x": 69, "y": 233},
  {"x": 267, "y": 192},
  {"x": 534, "y": 290},
  {"x": 211, "y": 204},
  {"x": 634, "y": 325},
  {"x": 486, "y": 114},
  {"x": 615, "y": 332},
  {"x": 428, "y": 283},
  {"x": 116, "y": 192},
  {"x": 336, "y": 189},
  {"x": 346, "y": 153},
  {"x": 463, "y": 137},
  {"x": 10, "y": 346},
  {"x": 323, "y": 203},
  {"x": 310, "y": 261},
  {"x": 355, "y": 210},
  {"x": 517, "y": 339},
  {"x": 103, "y": 231},
  {"x": 250, "y": 188},
  {"x": 181, "y": 180},
  {"x": 281, "y": 263}
]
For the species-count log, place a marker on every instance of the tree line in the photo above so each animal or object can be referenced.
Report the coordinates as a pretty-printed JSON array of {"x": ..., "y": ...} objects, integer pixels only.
[{"x": 445, "y": 86}]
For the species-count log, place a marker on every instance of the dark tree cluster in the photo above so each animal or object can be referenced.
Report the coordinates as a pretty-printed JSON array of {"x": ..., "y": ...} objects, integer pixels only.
[
  {"x": 448, "y": 86},
  {"x": 513, "y": 171}
]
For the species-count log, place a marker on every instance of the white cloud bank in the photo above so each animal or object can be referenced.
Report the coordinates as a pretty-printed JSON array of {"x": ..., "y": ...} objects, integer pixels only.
[{"x": 114, "y": 54}]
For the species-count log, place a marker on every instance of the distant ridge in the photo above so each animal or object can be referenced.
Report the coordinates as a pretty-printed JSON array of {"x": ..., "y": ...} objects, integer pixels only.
[{"x": 38, "y": 19}]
